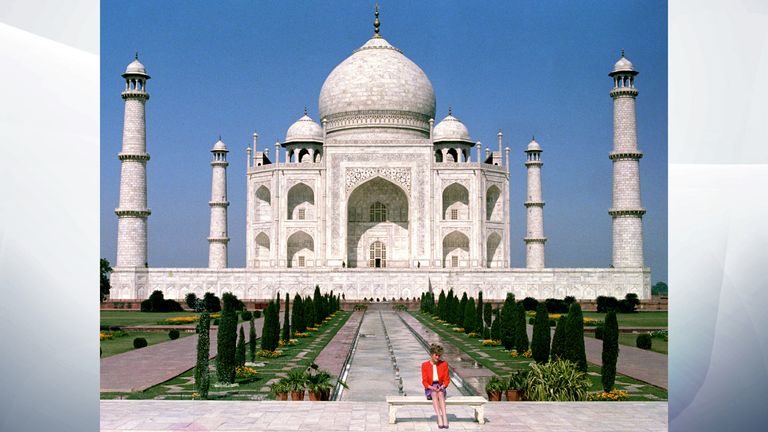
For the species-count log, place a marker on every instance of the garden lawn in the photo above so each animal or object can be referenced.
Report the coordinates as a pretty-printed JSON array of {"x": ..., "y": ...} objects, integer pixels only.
[
  {"x": 638, "y": 390},
  {"x": 630, "y": 339},
  {"x": 131, "y": 318},
  {"x": 639, "y": 319},
  {"x": 121, "y": 344},
  {"x": 256, "y": 388}
]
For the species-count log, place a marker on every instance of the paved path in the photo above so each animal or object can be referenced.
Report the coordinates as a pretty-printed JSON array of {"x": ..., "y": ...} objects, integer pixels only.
[
  {"x": 160, "y": 416},
  {"x": 332, "y": 357},
  {"x": 140, "y": 369}
]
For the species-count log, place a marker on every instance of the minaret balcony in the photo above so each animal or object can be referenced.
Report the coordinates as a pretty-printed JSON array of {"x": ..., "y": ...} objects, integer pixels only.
[
  {"x": 224, "y": 240},
  {"x": 143, "y": 157},
  {"x": 132, "y": 213},
  {"x": 531, "y": 163},
  {"x": 626, "y": 155},
  {"x": 135, "y": 94},
  {"x": 224, "y": 204},
  {"x": 627, "y": 212},
  {"x": 535, "y": 239},
  {"x": 624, "y": 92},
  {"x": 533, "y": 204}
]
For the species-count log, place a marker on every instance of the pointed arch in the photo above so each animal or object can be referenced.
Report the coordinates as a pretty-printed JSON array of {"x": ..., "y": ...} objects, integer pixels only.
[
  {"x": 301, "y": 249},
  {"x": 494, "y": 251},
  {"x": 455, "y": 250},
  {"x": 262, "y": 252},
  {"x": 455, "y": 197},
  {"x": 263, "y": 208},
  {"x": 493, "y": 211},
  {"x": 301, "y": 197}
]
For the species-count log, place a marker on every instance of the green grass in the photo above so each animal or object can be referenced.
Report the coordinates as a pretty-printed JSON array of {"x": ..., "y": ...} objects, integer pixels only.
[
  {"x": 122, "y": 344},
  {"x": 130, "y": 318},
  {"x": 640, "y": 319},
  {"x": 630, "y": 339},
  {"x": 252, "y": 388},
  {"x": 472, "y": 347}
]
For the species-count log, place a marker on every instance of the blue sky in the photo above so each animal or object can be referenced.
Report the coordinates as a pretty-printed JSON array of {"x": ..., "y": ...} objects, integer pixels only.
[{"x": 529, "y": 68}]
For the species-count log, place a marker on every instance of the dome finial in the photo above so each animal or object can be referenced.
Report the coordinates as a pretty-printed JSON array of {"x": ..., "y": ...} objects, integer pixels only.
[
  {"x": 137, "y": 55},
  {"x": 622, "y": 52},
  {"x": 376, "y": 22},
  {"x": 305, "y": 110},
  {"x": 450, "y": 110},
  {"x": 219, "y": 137}
]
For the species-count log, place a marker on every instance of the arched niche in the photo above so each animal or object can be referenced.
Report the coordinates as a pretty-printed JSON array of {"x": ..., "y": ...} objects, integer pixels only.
[
  {"x": 455, "y": 202},
  {"x": 455, "y": 250},
  {"x": 301, "y": 197}
]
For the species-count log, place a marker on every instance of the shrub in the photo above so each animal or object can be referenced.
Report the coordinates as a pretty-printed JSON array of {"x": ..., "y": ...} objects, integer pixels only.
[
  {"x": 216, "y": 322},
  {"x": 252, "y": 339},
  {"x": 521, "y": 332},
  {"x": 532, "y": 320},
  {"x": 644, "y": 341},
  {"x": 139, "y": 342},
  {"x": 479, "y": 325},
  {"x": 507, "y": 317},
  {"x": 518, "y": 380},
  {"x": 558, "y": 380},
  {"x": 202, "y": 379},
  {"x": 240, "y": 350},
  {"x": 171, "y": 306},
  {"x": 256, "y": 314},
  {"x": 286, "y": 320},
  {"x": 146, "y": 306},
  {"x": 488, "y": 319},
  {"x": 568, "y": 300},
  {"x": 227, "y": 338},
  {"x": 212, "y": 303},
  {"x": 496, "y": 326},
  {"x": 610, "y": 351},
  {"x": 574, "y": 338},
  {"x": 470, "y": 316},
  {"x": 541, "y": 335},
  {"x": 156, "y": 301},
  {"x": 530, "y": 303},
  {"x": 173, "y": 334},
  {"x": 556, "y": 305},
  {"x": 462, "y": 309},
  {"x": 191, "y": 301},
  {"x": 629, "y": 304},
  {"x": 599, "y": 332},
  {"x": 558, "y": 340},
  {"x": 246, "y": 315},
  {"x": 297, "y": 315},
  {"x": 605, "y": 304}
]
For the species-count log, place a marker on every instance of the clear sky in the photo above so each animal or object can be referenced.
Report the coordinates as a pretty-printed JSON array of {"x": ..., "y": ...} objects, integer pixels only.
[{"x": 528, "y": 68}]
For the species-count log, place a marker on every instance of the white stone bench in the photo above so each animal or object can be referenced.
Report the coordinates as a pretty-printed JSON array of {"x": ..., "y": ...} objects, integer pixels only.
[{"x": 474, "y": 402}]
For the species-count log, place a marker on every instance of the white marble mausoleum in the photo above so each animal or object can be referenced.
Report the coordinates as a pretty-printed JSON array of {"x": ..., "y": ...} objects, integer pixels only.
[{"x": 378, "y": 198}]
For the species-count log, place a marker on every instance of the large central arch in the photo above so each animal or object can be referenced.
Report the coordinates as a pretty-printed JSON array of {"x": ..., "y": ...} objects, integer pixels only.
[{"x": 377, "y": 210}]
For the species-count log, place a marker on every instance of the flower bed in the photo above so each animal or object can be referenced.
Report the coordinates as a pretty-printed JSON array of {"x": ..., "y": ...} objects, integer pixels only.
[
  {"x": 491, "y": 342},
  {"x": 289, "y": 342},
  {"x": 245, "y": 372},
  {"x": 269, "y": 354},
  {"x": 526, "y": 354},
  {"x": 613, "y": 395}
]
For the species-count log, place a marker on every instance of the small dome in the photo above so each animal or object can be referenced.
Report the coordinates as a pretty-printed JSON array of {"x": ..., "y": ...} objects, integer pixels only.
[
  {"x": 219, "y": 146},
  {"x": 136, "y": 68},
  {"x": 451, "y": 129},
  {"x": 623, "y": 65},
  {"x": 304, "y": 130},
  {"x": 533, "y": 145}
]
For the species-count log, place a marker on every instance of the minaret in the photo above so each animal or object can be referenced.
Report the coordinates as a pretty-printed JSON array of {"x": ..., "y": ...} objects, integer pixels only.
[
  {"x": 534, "y": 204},
  {"x": 132, "y": 211},
  {"x": 627, "y": 211},
  {"x": 218, "y": 239}
]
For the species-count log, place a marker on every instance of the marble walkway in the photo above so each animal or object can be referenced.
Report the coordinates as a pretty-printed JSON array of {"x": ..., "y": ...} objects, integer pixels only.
[{"x": 161, "y": 416}]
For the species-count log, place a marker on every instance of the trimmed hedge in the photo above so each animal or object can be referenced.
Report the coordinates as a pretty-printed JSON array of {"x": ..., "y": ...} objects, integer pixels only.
[
  {"x": 643, "y": 341},
  {"x": 173, "y": 334},
  {"x": 139, "y": 342},
  {"x": 530, "y": 304},
  {"x": 610, "y": 351},
  {"x": 246, "y": 315}
]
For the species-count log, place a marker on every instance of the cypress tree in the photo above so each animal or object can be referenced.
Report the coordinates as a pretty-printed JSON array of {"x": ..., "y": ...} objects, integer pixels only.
[
  {"x": 227, "y": 338},
  {"x": 441, "y": 305},
  {"x": 496, "y": 326},
  {"x": 469, "y": 316},
  {"x": 317, "y": 302},
  {"x": 297, "y": 315},
  {"x": 449, "y": 308},
  {"x": 309, "y": 312},
  {"x": 507, "y": 323},
  {"x": 252, "y": 339},
  {"x": 462, "y": 309},
  {"x": 487, "y": 311},
  {"x": 521, "y": 330},
  {"x": 479, "y": 327},
  {"x": 558, "y": 340},
  {"x": 286, "y": 320},
  {"x": 266, "y": 329},
  {"x": 202, "y": 379},
  {"x": 574, "y": 337},
  {"x": 610, "y": 350},
  {"x": 240, "y": 350},
  {"x": 276, "y": 321},
  {"x": 541, "y": 336}
]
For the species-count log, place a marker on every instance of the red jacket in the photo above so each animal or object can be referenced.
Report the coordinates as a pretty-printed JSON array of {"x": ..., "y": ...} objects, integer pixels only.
[{"x": 442, "y": 373}]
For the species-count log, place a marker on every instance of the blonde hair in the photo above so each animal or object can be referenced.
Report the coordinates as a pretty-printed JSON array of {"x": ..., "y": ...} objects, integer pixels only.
[{"x": 435, "y": 349}]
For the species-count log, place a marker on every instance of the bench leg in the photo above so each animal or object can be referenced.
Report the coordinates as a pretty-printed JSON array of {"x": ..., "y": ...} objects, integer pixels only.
[
  {"x": 392, "y": 414},
  {"x": 480, "y": 414}
]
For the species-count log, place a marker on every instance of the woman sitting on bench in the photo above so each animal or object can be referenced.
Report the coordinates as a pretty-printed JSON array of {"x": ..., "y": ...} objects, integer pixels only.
[{"x": 434, "y": 376}]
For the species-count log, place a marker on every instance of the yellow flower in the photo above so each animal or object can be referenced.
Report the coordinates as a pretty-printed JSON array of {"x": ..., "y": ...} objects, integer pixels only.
[{"x": 491, "y": 342}]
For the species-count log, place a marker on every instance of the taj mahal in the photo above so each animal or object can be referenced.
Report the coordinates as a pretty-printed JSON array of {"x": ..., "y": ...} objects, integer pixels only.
[{"x": 377, "y": 198}]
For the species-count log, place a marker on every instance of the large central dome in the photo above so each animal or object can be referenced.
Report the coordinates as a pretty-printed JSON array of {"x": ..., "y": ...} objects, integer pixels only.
[{"x": 377, "y": 86}]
